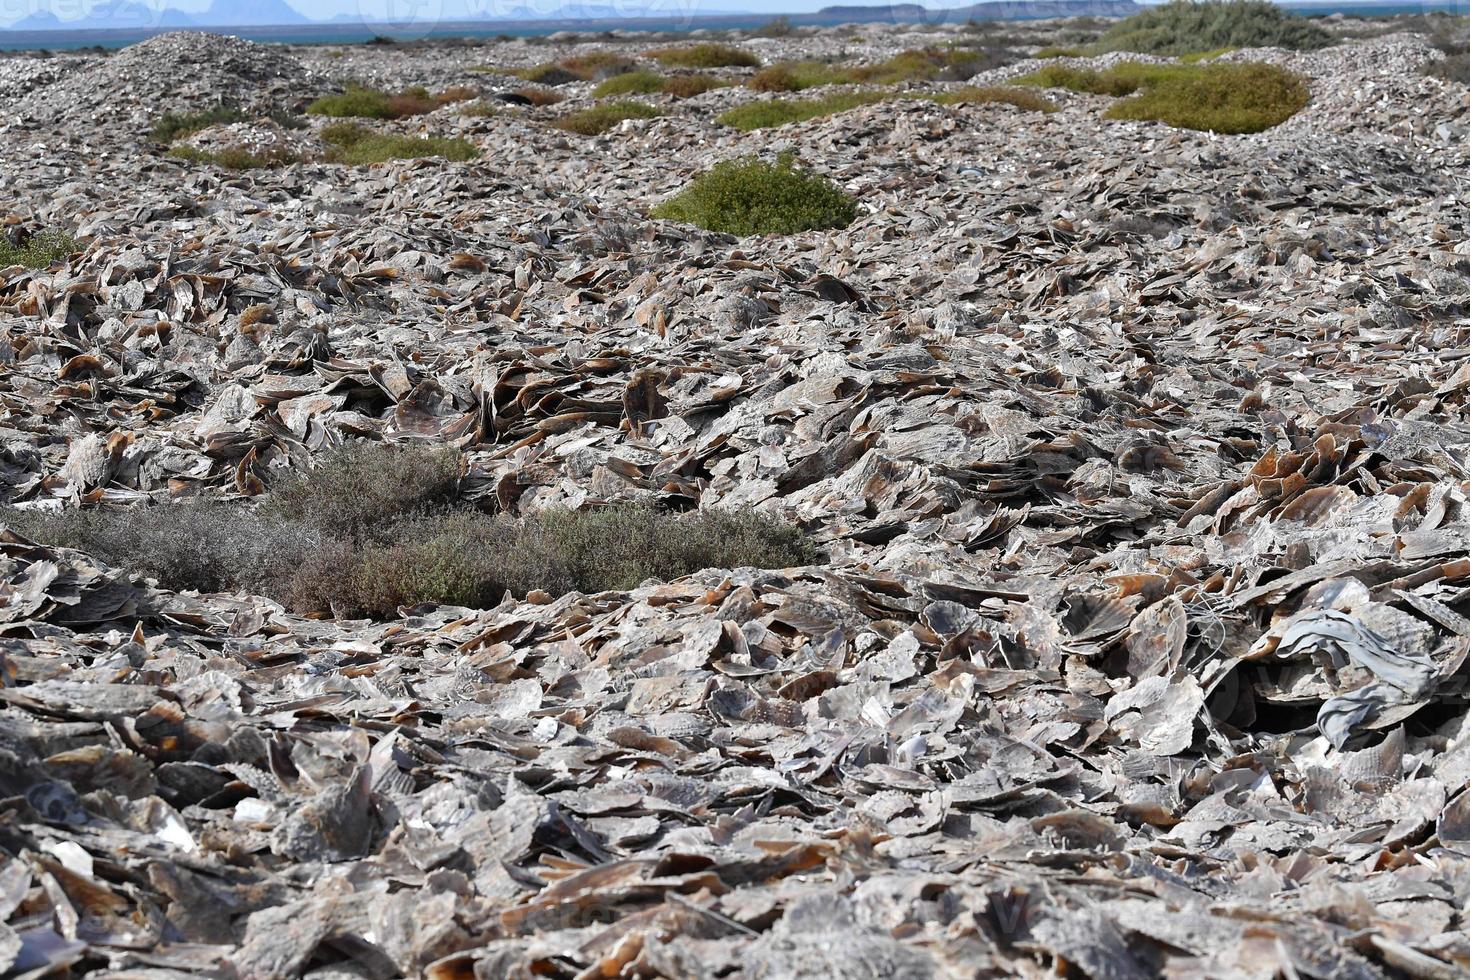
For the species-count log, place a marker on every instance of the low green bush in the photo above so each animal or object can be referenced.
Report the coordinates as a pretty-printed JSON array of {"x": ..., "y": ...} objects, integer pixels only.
[
  {"x": 318, "y": 547},
  {"x": 1220, "y": 98},
  {"x": 1055, "y": 52},
  {"x": 794, "y": 76},
  {"x": 1004, "y": 94},
  {"x": 704, "y": 56},
  {"x": 689, "y": 85},
  {"x": 581, "y": 68},
  {"x": 630, "y": 83},
  {"x": 37, "y": 250},
  {"x": 357, "y": 491},
  {"x": 598, "y": 119},
  {"x": 955, "y": 64},
  {"x": 355, "y": 144},
  {"x": 779, "y": 112},
  {"x": 173, "y": 126},
  {"x": 1185, "y": 26},
  {"x": 750, "y": 197},
  {"x": 235, "y": 157}
]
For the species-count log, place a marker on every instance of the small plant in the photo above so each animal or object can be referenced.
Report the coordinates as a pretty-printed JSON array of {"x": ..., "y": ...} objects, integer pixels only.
[
  {"x": 779, "y": 112},
  {"x": 581, "y": 68},
  {"x": 599, "y": 119},
  {"x": 171, "y": 127},
  {"x": 235, "y": 157},
  {"x": 794, "y": 76},
  {"x": 705, "y": 56},
  {"x": 931, "y": 64},
  {"x": 971, "y": 94},
  {"x": 751, "y": 197},
  {"x": 649, "y": 82},
  {"x": 630, "y": 83},
  {"x": 374, "y": 528},
  {"x": 775, "y": 27},
  {"x": 368, "y": 103},
  {"x": 688, "y": 86},
  {"x": 188, "y": 545},
  {"x": 1185, "y": 26},
  {"x": 36, "y": 250},
  {"x": 358, "y": 490},
  {"x": 355, "y": 144},
  {"x": 598, "y": 64}
]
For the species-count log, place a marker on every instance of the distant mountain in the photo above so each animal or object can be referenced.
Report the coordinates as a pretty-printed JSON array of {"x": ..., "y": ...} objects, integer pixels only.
[
  {"x": 250, "y": 13},
  {"x": 120, "y": 16}
]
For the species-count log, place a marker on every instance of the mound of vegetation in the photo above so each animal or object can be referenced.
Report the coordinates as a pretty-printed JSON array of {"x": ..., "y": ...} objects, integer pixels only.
[
  {"x": 368, "y": 103},
  {"x": 650, "y": 82},
  {"x": 931, "y": 65},
  {"x": 598, "y": 119},
  {"x": 1185, "y": 26},
  {"x": 595, "y": 66},
  {"x": 779, "y": 112},
  {"x": 794, "y": 76},
  {"x": 235, "y": 157},
  {"x": 1221, "y": 97},
  {"x": 704, "y": 56},
  {"x": 36, "y": 250},
  {"x": 375, "y": 528},
  {"x": 1003, "y": 94},
  {"x": 750, "y": 197},
  {"x": 355, "y": 144}
]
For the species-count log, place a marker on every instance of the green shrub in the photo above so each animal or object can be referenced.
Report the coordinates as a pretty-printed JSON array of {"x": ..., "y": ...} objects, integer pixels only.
[
  {"x": 794, "y": 76},
  {"x": 775, "y": 27},
  {"x": 599, "y": 119},
  {"x": 688, "y": 86},
  {"x": 368, "y": 103},
  {"x": 1221, "y": 98},
  {"x": 630, "y": 83},
  {"x": 1121, "y": 79},
  {"x": 318, "y": 548},
  {"x": 598, "y": 64},
  {"x": 705, "y": 56},
  {"x": 1185, "y": 26},
  {"x": 171, "y": 127},
  {"x": 188, "y": 545},
  {"x": 931, "y": 64},
  {"x": 749, "y": 197},
  {"x": 235, "y": 157},
  {"x": 358, "y": 490},
  {"x": 972, "y": 94},
  {"x": 1055, "y": 52},
  {"x": 355, "y": 144},
  {"x": 37, "y": 251},
  {"x": 582, "y": 68},
  {"x": 779, "y": 112}
]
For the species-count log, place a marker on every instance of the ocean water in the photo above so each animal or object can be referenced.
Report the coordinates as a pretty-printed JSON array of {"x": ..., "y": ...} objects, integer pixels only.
[{"x": 357, "y": 33}]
